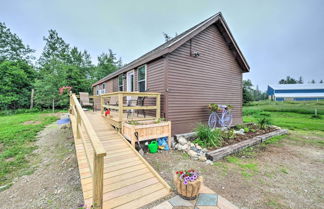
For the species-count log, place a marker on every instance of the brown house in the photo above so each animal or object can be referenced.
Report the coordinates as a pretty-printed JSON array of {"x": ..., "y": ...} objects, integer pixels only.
[{"x": 200, "y": 66}]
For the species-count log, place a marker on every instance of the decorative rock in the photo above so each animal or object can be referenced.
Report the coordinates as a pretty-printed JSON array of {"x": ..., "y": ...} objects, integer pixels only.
[
  {"x": 198, "y": 147},
  {"x": 185, "y": 147},
  {"x": 192, "y": 153},
  {"x": 182, "y": 140},
  {"x": 202, "y": 158},
  {"x": 205, "y": 150},
  {"x": 192, "y": 144},
  {"x": 209, "y": 162},
  {"x": 241, "y": 132}
]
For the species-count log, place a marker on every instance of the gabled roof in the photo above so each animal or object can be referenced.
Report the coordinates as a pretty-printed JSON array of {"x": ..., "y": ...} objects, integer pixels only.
[
  {"x": 182, "y": 38},
  {"x": 296, "y": 86}
]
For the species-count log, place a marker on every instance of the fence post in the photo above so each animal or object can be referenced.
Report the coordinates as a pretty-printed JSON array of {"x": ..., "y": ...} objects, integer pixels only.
[{"x": 97, "y": 179}]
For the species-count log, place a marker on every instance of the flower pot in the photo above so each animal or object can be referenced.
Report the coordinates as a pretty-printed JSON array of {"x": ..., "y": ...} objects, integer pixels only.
[{"x": 190, "y": 190}]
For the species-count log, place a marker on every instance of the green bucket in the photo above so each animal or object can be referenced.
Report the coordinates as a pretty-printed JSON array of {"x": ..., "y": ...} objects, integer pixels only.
[{"x": 153, "y": 147}]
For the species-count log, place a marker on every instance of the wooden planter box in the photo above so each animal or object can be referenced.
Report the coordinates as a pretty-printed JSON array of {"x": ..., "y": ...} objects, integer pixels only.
[
  {"x": 188, "y": 191},
  {"x": 147, "y": 130}
]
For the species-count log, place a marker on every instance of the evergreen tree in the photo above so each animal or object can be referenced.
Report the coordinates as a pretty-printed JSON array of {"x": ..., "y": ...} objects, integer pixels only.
[
  {"x": 288, "y": 80},
  {"x": 247, "y": 91},
  {"x": 300, "y": 81},
  {"x": 12, "y": 47},
  {"x": 107, "y": 63}
]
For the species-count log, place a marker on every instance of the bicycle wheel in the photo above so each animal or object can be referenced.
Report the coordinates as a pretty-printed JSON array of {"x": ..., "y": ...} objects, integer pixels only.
[
  {"x": 212, "y": 121},
  {"x": 227, "y": 120}
]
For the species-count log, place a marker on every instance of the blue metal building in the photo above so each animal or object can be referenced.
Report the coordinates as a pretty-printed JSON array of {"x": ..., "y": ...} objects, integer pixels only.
[{"x": 296, "y": 92}]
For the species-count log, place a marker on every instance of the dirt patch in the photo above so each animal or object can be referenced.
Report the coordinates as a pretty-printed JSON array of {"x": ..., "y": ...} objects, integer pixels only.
[
  {"x": 30, "y": 122},
  {"x": 282, "y": 175},
  {"x": 54, "y": 182}
]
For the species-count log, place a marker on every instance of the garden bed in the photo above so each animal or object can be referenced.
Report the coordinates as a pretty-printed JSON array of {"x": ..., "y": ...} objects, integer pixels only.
[
  {"x": 146, "y": 130},
  {"x": 247, "y": 135},
  {"x": 220, "y": 153},
  {"x": 214, "y": 144}
]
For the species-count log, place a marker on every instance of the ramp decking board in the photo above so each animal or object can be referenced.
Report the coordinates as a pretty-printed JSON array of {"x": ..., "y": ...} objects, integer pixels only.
[{"x": 129, "y": 181}]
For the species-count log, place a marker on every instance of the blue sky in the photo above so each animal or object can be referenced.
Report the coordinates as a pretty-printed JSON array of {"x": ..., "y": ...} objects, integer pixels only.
[{"x": 278, "y": 38}]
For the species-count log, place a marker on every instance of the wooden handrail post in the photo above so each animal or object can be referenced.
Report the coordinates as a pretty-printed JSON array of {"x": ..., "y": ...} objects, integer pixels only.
[
  {"x": 158, "y": 106},
  {"x": 78, "y": 119},
  {"x": 120, "y": 106},
  {"x": 97, "y": 179},
  {"x": 101, "y": 104}
]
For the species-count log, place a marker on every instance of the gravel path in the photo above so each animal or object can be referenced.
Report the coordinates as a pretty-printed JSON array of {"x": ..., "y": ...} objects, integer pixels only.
[
  {"x": 55, "y": 181},
  {"x": 288, "y": 174}
]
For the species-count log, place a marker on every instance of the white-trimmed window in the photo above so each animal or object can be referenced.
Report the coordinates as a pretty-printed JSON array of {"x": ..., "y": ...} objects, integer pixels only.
[
  {"x": 104, "y": 86},
  {"x": 97, "y": 90},
  {"x": 120, "y": 83},
  {"x": 141, "y": 78}
]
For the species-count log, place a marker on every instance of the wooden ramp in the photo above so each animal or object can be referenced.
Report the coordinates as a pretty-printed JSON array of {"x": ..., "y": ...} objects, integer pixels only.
[{"x": 128, "y": 180}]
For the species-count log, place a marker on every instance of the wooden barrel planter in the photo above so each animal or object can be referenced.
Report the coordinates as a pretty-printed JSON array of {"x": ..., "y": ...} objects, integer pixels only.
[
  {"x": 147, "y": 130},
  {"x": 190, "y": 190}
]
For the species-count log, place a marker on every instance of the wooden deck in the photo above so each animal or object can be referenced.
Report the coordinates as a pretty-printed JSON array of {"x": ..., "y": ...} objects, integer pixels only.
[{"x": 128, "y": 180}]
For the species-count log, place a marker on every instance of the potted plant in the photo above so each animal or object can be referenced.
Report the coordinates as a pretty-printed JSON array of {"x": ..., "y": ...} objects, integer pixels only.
[{"x": 188, "y": 183}]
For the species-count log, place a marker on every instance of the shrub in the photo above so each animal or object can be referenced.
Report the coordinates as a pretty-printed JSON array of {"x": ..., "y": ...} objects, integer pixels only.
[{"x": 208, "y": 137}]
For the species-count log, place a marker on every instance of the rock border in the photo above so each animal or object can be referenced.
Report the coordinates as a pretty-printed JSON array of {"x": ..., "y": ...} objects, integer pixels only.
[{"x": 230, "y": 149}]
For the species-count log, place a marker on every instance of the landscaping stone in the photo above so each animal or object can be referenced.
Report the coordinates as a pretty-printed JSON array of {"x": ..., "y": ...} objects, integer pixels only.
[
  {"x": 164, "y": 205},
  {"x": 209, "y": 162},
  {"x": 192, "y": 153},
  {"x": 202, "y": 158},
  {"x": 182, "y": 141},
  {"x": 177, "y": 201},
  {"x": 185, "y": 147},
  {"x": 224, "y": 151},
  {"x": 207, "y": 199},
  {"x": 189, "y": 136},
  {"x": 241, "y": 131}
]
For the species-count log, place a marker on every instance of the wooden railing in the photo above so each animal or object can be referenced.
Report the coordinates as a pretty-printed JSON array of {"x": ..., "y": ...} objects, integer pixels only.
[
  {"x": 96, "y": 158},
  {"x": 121, "y": 106}
]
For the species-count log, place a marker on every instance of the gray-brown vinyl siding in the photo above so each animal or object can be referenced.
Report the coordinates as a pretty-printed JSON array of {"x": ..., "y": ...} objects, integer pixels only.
[{"x": 193, "y": 83}]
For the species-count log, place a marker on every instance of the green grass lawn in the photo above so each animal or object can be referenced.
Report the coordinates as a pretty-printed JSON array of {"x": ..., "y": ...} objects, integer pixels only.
[
  {"x": 291, "y": 115},
  {"x": 303, "y": 107},
  {"x": 17, "y": 134}
]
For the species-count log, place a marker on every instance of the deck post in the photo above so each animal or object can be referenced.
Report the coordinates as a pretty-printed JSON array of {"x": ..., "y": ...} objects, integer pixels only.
[
  {"x": 158, "y": 106},
  {"x": 101, "y": 104},
  {"x": 120, "y": 106},
  {"x": 97, "y": 179}
]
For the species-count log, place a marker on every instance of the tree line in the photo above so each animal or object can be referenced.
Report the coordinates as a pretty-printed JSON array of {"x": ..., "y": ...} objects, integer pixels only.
[
  {"x": 291, "y": 80},
  {"x": 59, "y": 65}
]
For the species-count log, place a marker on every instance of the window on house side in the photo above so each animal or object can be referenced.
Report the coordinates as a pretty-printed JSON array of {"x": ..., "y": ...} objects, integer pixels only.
[
  {"x": 120, "y": 83},
  {"x": 141, "y": 77}
]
